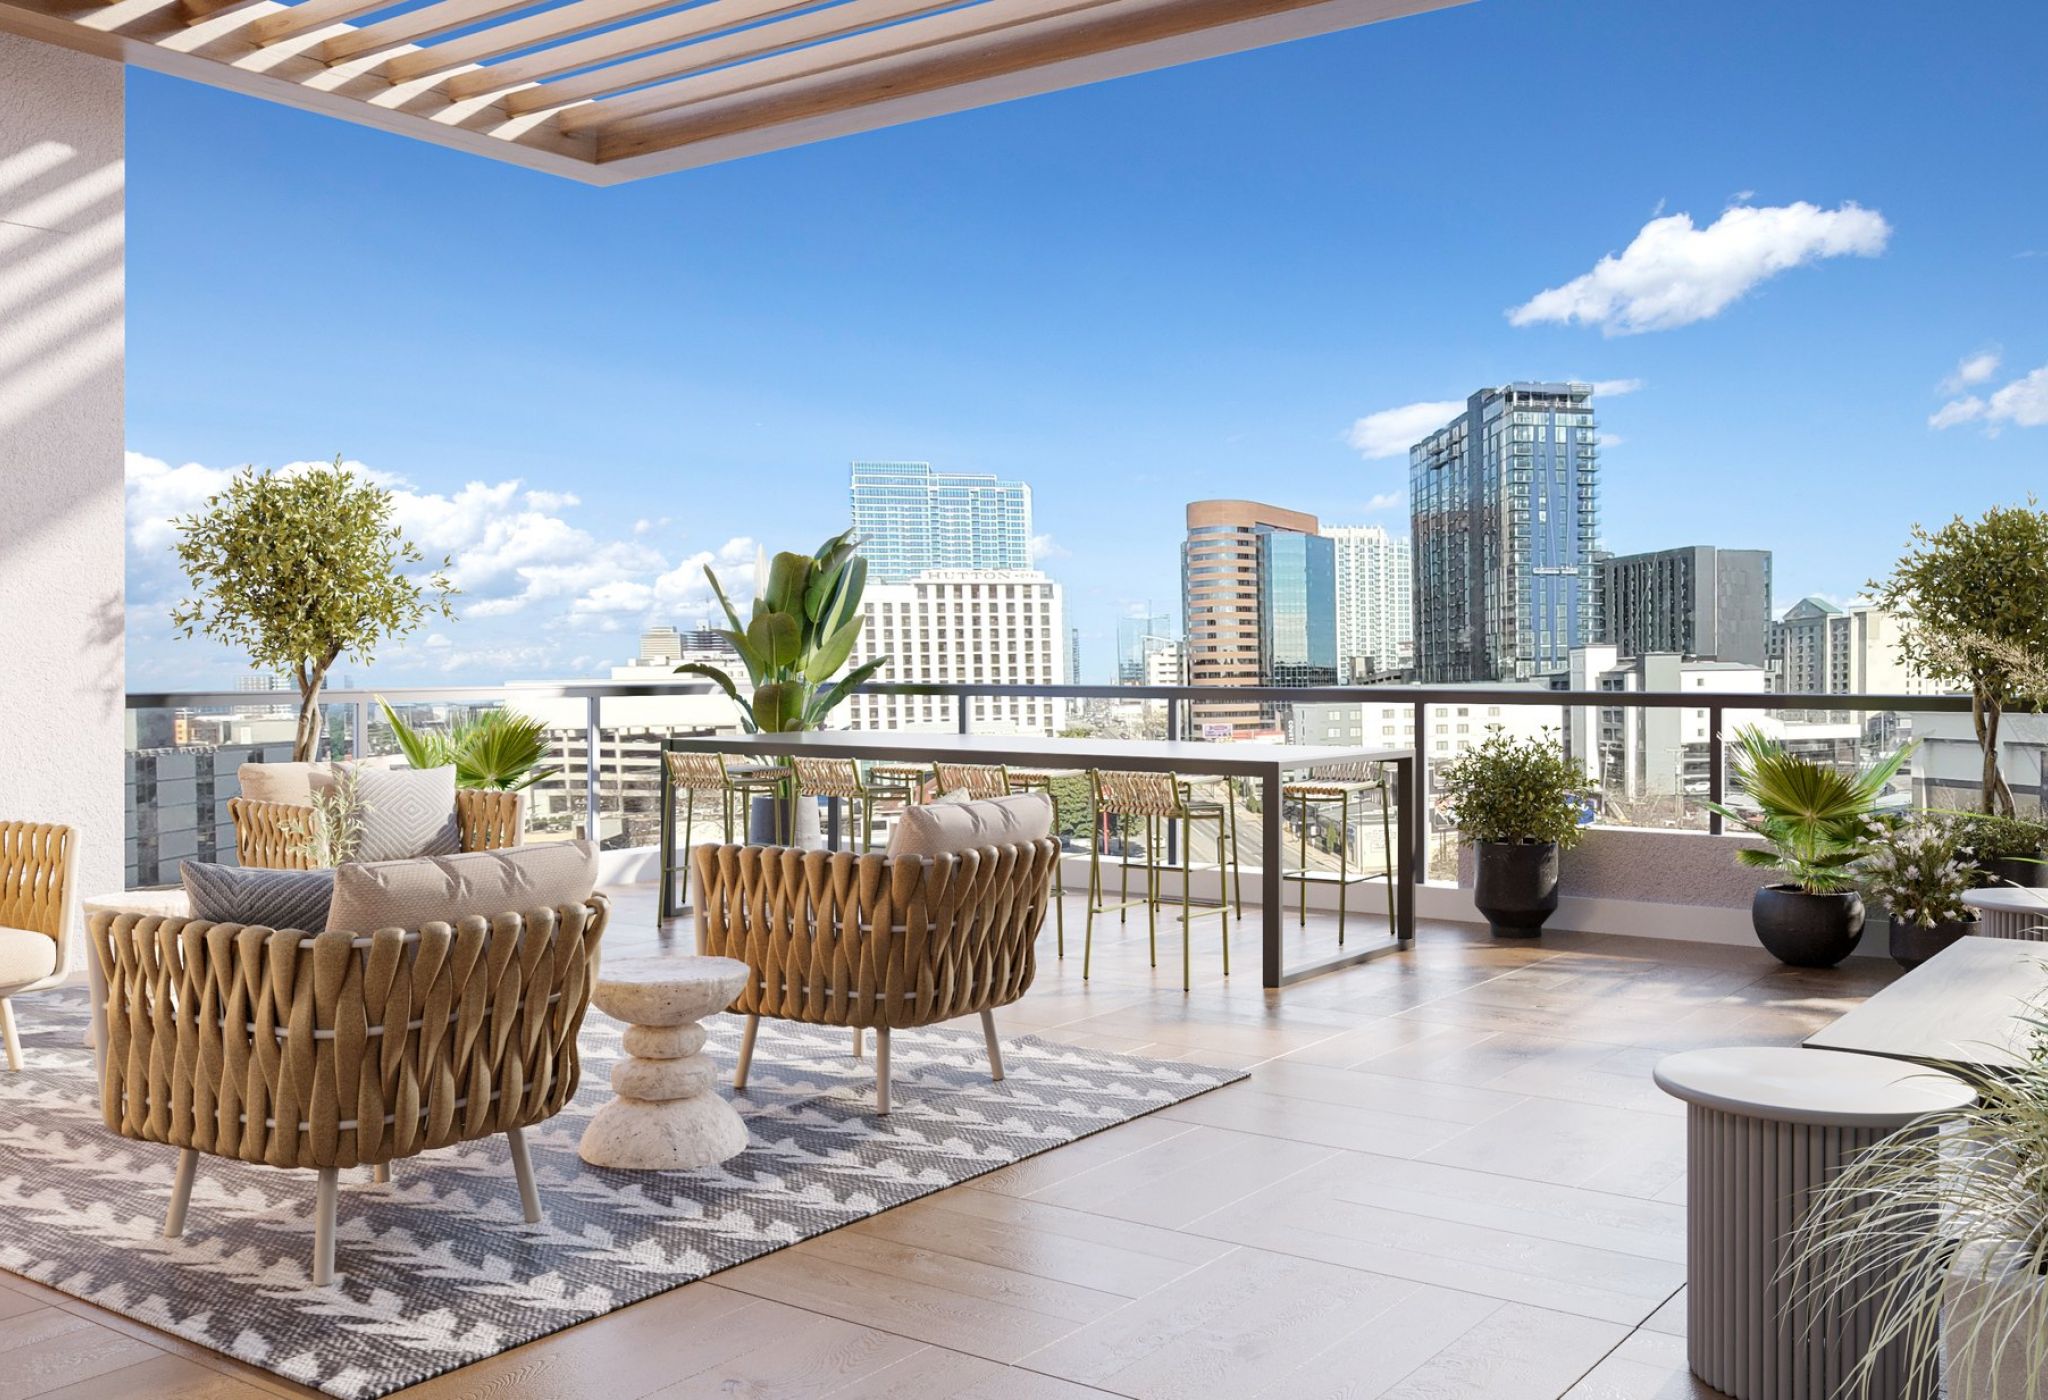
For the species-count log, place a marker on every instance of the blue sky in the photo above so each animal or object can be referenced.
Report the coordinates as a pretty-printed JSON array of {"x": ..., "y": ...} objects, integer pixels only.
[{"x": 1185, "y": 284}]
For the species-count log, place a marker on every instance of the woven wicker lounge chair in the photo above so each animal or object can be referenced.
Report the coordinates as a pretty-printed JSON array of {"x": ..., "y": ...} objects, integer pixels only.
[{"x": 273, "y": 835}]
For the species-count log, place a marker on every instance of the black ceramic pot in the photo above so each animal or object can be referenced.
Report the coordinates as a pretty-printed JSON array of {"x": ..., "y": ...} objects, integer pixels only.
[
  {"x": 1515, "y": 886},
  {"x": 1807, "y": 930},
  {"x": 2011, "y": 870},
  {"x": 1913, "y": 945}
]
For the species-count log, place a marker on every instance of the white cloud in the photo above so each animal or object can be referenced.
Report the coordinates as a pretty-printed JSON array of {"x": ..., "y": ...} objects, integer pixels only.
[
  {"x": 552, "y": 500},
  {"x": 1615, "y": 388},
  {"x": 1612, "y": 440},
  {"x": 1392, "y": 431},
  {"x": 1675, "y": 273},
  {"x": 1387, "y": 500},
  {"x": 2023, "y": 404},
  {"x": 1970, "y": 370},
  {"x": 1046, "y": 547}
]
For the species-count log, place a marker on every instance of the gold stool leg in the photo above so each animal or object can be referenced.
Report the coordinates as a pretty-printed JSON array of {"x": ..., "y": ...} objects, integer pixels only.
[
  {"x": 1387, "y": 850},
  {"x": 1302, "y": 883},
  {"x": 1152, "y": 881},
  {"x": 1094, "y": 889},
  {"x": 1222, "y": 903},
  {"x": 1343, "y": 859}
]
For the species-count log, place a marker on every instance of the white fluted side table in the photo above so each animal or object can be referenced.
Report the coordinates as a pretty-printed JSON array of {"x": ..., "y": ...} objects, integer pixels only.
[
  {"x": 669, "y": 1115},
  {"x": 1765, "y": 1129},
  {"x": 2011, "y": 911}
]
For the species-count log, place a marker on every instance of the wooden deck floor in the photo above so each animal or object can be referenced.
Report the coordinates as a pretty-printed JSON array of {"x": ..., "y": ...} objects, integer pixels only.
[{"x": 1449, "y": 1176}]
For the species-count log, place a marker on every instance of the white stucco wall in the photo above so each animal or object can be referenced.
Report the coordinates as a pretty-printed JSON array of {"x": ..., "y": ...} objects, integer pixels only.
[{"x": 61, "y": 268}]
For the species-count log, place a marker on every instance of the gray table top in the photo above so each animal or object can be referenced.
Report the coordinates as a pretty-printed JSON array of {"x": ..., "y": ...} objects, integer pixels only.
[
  {"x": 2009, "y": 899},
  {"x": 1785, "y": 1085},
  {"x": 1962, "y": 1006},
  {"x": 1143, "y": 755}
]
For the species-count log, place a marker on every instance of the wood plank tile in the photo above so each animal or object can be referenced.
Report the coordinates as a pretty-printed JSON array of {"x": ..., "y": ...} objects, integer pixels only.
[
  {"x": 789, "y": 1354},
  {"x": 1647, "y": 1366},
  {"x": 1574, "y": 1144},
  {"x": 1185, "y": 1177},
  {"x": 1515, "y": 1353},
  {"x": 937, "y": 1374},
  {"x": 65, "y": 1349},
  {"x": 162, "y": 1377},
  {"x": 1247, "y": 1108}
]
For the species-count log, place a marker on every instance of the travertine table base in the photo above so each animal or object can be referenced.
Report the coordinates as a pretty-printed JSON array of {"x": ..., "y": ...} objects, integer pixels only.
[
  {"x": 668, "y": 1115},
  {"x": 1766, "y": 1128}
]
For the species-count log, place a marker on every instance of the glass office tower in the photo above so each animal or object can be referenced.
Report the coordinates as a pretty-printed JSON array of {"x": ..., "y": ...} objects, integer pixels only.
[
  {"x": 1297, "y": 608},
  {"x": 911, "y": 518}
]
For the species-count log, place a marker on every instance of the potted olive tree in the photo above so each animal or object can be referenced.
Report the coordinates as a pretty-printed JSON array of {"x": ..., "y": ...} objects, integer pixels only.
[
  {"x": 1919, "y": 872},
  {"x": 1516, "y": 802},
  {"x": 1941, "y": 1230},
  {"x": 1818, "y": 825}
]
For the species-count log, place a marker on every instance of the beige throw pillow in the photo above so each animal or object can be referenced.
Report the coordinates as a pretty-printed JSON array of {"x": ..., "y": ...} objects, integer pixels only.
[
  {"x": 295, "y": 783},
  {"x": 951, "y": 827},
  {"x": 442, "y": 889}
]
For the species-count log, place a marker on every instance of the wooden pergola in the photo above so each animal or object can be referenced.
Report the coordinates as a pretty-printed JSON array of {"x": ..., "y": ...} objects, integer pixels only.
[{"x": 606, "y": 91}]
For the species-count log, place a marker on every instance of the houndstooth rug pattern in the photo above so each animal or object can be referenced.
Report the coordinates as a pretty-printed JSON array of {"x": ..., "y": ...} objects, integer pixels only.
[{"x": 437, "y": 1268}]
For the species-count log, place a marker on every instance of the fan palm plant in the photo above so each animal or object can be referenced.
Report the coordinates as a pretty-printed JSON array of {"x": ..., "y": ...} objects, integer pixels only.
[
  {"x": 498, "y": 749},
  {"x": 1818, "y": 822}
]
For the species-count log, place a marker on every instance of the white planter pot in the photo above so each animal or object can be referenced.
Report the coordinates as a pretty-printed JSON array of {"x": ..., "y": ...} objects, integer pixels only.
[{"x": 1994, "y": 1326}]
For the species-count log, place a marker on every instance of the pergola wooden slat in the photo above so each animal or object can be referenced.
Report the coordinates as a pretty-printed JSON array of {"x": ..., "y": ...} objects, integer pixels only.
[{"x": 611, "y": 90}]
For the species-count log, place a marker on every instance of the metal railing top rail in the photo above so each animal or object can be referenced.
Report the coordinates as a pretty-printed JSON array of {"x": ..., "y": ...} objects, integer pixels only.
[{"x": 1498, "y": 694}]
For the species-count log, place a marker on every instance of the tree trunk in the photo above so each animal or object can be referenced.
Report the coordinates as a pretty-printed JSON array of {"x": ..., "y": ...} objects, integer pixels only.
[
  {"x": 306, "y": 739},
  {"x": 1995, "y": 796}
]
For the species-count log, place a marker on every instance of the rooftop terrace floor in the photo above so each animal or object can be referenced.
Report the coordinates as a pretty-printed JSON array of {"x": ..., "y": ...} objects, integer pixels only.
[{"x": 1448, "y": 1176}]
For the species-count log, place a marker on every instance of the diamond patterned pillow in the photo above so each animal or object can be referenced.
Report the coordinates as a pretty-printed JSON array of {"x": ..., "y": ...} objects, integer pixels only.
[
  {"x": 228, "y": 894},
  {"x": 407, "y": 812}
]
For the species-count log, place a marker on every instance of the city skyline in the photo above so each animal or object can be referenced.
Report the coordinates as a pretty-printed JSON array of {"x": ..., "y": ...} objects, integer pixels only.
[{"x": 995, "y": 292}]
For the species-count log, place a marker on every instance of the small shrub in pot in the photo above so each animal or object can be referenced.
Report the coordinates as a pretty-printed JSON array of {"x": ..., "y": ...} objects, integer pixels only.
[
  {"x": 2004, "y": 850},
  {"x": 1919, "y": 872},
  {"x": 1517, "y": 803}
]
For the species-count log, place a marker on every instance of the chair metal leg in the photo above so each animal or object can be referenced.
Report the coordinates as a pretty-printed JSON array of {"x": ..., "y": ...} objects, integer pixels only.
[
  {"x": 1387, "y": 852},
  {"x": 1187, "y": 912},
  {"x": 739, "y": 1074},
  {"x": 860, "y": 1043},
  {"x": 522, "y": 1170},
  {"x": 1302, "y": 812},
  {"x": 325, "y": 1201},
  {"x": 995, "y": 1051},
  {"x": 1123, "y": 914},
  {"x": 1343, "y": 859},
  {"x": 689, "y": 831},
  {"x": 881, "y": 1071},
  {"x": 7, "y": 1030},
  {"x": 181, "y": 1193},
  {"x": 1152, "y": 883},
  {"x": 380, "y": 1174},
  {"x": 1223, "y": 904},
  {"x": 1094, "y": 892}
]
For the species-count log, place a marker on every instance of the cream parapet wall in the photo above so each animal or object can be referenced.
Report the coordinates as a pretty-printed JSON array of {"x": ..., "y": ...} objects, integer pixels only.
[{"x": 61, "y": 547}]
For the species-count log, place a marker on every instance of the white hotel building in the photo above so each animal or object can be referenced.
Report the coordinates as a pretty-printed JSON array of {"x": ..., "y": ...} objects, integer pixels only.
[{"x": 964, "y": 627}]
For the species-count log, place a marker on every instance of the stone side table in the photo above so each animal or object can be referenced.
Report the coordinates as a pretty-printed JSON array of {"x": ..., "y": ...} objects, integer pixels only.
[
  {"x": 1765, "y": 1129},
  {"x": 2011, "y": 912},
  {"x": 668, "y": 1115}
]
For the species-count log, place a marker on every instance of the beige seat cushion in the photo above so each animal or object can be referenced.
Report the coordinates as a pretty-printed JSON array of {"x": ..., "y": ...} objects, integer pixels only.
[
  {"x": 294, "y": 783},
  {"x": 25, "y": 957},
  {"x": 441, "y": 889},
  {"x": 951, "y": 827}
]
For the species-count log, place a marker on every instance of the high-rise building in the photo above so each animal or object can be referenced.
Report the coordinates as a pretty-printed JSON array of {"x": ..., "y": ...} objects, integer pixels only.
[
  {"x": 911, "y": 519},
  {"x": 1819, "y": 648},
  {"x": 1375, "y": 601},
  {"x": 1698, "y": 601},
  {"x": 1258, "y": 592},
  {"x": 660, "y": 644},
  {"x": 964, "y": 627},
  {"x": 1137, "y": 637},
  {"x": 1504, "y": 502}
]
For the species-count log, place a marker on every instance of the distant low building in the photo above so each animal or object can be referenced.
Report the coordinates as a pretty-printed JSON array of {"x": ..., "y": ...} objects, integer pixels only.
[
  {"x": 1822, "y": 648},
  {"x": 964, "y": 626},
  {"x": 1698, "y": 601}
]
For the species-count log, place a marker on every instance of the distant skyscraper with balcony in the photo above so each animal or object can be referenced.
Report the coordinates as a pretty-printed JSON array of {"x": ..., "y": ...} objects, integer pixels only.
[
  {"x": 1375, "y": 601},
  {"x": 1701, "y": 602},
  {"x": 1819, "y": 648},
  {"x": 965, "y": 627},
  {"x": 1504, "y": 503},
  {"x": 1259, "y": 593},
  {"x": 912, "y": 519}
]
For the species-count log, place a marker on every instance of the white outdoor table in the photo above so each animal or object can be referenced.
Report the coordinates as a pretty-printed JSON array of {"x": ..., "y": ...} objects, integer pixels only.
[
  {"x": 1267, "y": 764},
  {"x": 2011, "y": 912},
  {"x": 1966, "y": 1005}
]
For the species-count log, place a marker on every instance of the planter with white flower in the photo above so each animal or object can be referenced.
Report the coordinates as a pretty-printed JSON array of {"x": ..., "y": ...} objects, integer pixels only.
[{"x": 1919, "y": 872}]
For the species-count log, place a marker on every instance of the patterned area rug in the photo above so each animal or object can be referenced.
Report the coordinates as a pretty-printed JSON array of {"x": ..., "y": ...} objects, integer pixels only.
[{"x": 437, "y": 1269}]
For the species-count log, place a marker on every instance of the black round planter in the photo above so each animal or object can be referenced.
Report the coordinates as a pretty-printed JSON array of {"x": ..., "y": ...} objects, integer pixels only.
[
  {"x": 1806, "y": 930},
  {"x": 2012, "y": 870},
  {"x": 1913, "y": 945},
  {"x": 1515, "y": 886}
]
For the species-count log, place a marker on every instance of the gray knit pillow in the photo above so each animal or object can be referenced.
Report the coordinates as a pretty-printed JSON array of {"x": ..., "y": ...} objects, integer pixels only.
[
  {"x": 407, "y": 812},
  {"x": 228, "y": 894}
]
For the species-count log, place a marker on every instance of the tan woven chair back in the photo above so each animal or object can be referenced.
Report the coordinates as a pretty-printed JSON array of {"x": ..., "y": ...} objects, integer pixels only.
[
  {"x": 337, "y": 1049},
  {"x": 1362, "y": 772},
  {"x": 1137, "y": 794},
  {"x": 490, "y": 820},
  {"x": 696, "y": 772},
  {"x": 35, "y": 876},
  {"x": 843, "y": 940},
  {"x": 977, "y": 780},
  {"x": 275, "y": 835},
  {"x": 826, "y": 777}
]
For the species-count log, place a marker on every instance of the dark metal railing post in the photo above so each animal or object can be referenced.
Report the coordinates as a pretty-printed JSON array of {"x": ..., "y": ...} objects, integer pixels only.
[
  {"x": 1717, "y": 765},
  {"x": 1173, "y": 718},
  {"x": 1419, "y": 798},
  {"x": 960, "y": 712},
  {"x": 593, "y": 722}
]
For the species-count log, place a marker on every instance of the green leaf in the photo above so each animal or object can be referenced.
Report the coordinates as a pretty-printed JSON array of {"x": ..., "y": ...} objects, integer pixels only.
[
  {"x": 832, "y": 653},
  {"x": 421, "y": 749},
  {"x": 501, "y": 750},
  {"x": 779, "y": 639},
  {"x": 753, "y": 660},
  {"x": 823, "y": 703},
  {"x": 731, "y": 613},
  {"x": 788, "y": 576},
  {"x": 725, "y": 683},
  {"x": 779, "y": 706}
]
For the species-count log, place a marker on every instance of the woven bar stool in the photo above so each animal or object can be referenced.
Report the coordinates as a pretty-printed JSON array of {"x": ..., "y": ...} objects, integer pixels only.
[
  {"x": 1158, "y": 798},
  {"x": 1208, "y": 798},
  {"x": 979, "y": 780},
  {"x": 694, "y": 773},
  {"x": 1339, "y": 783},
  {"x": 837, "y": 778}
]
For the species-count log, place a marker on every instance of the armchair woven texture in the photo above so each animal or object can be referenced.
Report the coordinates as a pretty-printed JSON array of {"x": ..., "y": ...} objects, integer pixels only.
[
  {"x": 871, "y": 941},
  {"x": 272, "y": 835},
  {"x": 36, "y": 875},
  {"x": 333, "y": 1050}
]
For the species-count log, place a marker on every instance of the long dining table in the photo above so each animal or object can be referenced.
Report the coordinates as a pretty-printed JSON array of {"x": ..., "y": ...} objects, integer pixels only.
[{"x": 1267, "y": 765}]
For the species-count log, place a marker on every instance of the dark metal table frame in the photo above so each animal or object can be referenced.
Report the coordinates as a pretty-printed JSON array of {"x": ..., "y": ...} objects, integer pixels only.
[{"x": 1265, "y": 764}]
